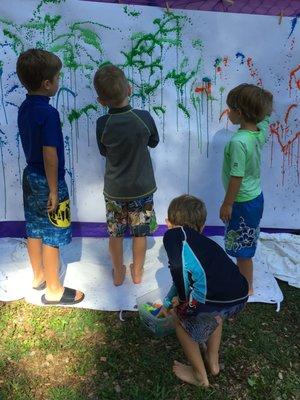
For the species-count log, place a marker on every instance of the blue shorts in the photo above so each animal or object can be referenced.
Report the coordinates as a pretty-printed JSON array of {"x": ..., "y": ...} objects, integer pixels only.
[
  {"x": 242, "y": 231},
  {"x": 53, "y": 229}
]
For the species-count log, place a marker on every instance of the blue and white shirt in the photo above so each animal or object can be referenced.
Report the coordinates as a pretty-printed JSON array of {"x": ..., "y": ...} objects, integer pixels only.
[{"x": 202, "y": 271}]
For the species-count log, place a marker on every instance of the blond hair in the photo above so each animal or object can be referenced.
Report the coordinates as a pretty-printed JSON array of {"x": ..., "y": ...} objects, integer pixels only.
[{"x": 187, "y": 210}]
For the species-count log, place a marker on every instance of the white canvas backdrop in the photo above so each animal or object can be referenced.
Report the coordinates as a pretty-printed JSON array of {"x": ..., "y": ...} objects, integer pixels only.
[{"x": 181, "y": 66}]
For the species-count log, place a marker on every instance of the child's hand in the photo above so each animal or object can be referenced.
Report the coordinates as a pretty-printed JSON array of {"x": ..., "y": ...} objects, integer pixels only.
[
  {"x": 225, "y": 212},
  {"x": 52, "y": 203},
  {"x": 175, "y": 301},
  {"x": 164, "y": 312}
]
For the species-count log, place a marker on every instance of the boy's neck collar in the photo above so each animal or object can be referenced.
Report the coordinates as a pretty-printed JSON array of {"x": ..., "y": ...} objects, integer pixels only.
[
  {"x": 39, "y": 92},
  {"x": 118, "y": 110},
  {"x": 248, "y": 126},
  {"x": 38, "y": 96}
]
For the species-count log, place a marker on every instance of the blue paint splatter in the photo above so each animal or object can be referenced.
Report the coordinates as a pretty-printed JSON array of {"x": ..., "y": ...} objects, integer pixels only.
[
  {"x": 12, "y": 89},
  {"x": 1, "y": 90},
  {"x": 294, "y": 23},
  {"x": 64, "y": 89},
  {"x": 12, "y": 104},
  {"x": 241, "y": 56},
  {"x": 11, "y": 74}
]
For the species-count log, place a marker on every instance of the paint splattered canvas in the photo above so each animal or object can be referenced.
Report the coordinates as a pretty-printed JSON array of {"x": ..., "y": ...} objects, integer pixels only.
[{"x": 181, "y": 65}]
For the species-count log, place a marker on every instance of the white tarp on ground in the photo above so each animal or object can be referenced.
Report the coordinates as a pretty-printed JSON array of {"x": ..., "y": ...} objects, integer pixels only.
[
  {"x": 286, "y": 248},
  {"x": 86, "y": 266}
]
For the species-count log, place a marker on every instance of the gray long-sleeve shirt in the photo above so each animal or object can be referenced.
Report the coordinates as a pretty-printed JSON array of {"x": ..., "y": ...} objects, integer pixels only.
[{"x": 123, "y": 137}]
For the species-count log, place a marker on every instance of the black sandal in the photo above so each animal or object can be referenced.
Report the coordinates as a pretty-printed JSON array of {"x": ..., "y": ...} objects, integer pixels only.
[{"x": 68, "y": 298}]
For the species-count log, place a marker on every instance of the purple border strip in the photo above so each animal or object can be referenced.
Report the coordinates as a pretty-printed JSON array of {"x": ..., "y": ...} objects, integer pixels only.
[
  {"x": 285, "y": 8},
  {"x": 95, "y": 229}
]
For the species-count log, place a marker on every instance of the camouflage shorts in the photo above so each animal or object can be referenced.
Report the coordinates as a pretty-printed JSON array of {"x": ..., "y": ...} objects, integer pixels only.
[{"x": 137, "y": 214}]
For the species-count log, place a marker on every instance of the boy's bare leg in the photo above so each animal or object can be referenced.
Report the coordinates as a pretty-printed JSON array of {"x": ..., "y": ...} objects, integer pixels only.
[
  {"x": 35, "y": 252},
  {"x": 195, "y": 374},
  {"x": 51, "y": 262},
  {"x": 139, "y": 247},
  {"x": 116, "y": 252},
  {"x": 246, "y": 269},
  {"x": 212, "y": 350}
]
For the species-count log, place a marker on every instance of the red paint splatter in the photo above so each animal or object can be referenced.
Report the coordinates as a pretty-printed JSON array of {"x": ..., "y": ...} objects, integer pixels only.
[
  {"x": 280, "y": 131},
  {"x": 294, "y": 79},
  {"x": 225, "y": 61},
  {"x": 253, "y": 71},
  {"x": 287, "y": 114},
  {"x": 199, "y": 89},
  {"x": 206, "y": 88}
]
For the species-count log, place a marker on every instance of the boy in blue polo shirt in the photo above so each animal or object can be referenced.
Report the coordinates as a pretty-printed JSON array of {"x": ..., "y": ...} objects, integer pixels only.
[{"x": 45, "y": 193}]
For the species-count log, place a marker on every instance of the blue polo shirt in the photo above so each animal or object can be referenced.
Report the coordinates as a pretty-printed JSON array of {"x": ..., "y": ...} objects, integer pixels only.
[{"x": 39, "y": 125}]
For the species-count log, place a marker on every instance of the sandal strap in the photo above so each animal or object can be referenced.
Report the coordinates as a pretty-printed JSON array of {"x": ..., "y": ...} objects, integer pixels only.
[{"x": 68, "y": 295}]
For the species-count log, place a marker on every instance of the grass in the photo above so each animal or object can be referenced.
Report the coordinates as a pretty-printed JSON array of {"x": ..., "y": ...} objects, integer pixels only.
[{"x": 73, "y": 354}]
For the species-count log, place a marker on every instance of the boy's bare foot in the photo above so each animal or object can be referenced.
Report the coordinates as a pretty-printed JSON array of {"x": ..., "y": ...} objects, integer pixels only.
[
  {"x": 136, "y": 274},
  {"x": 39, "y": 283},
  {"x": 186, "y": 374},
  {"x": 119, "y": 275},
  {"x": 38, "y": 279}
]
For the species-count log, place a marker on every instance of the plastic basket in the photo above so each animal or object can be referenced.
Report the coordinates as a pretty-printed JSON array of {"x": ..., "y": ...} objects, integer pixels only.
[{"x": 159, "y": 326}]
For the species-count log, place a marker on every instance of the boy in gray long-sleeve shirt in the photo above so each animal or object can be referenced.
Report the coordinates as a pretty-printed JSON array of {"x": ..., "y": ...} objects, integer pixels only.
[{"x": 123, "y": 137}]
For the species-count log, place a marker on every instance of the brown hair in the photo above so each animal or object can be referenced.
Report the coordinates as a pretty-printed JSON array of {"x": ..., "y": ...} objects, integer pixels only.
[
  {"x": 35, "y": 66},
  {"x": 253, "y": 102},
  {"x": 187, "y": 210},
  {"x": 111, "y": 85}
]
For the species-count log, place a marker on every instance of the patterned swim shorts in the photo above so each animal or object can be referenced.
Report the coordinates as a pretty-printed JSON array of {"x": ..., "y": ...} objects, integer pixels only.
[
  {"x": 242, "y": 232},
  {"x": 53, "y": 229},
  {"x": 200, "y": 325},
  {"x": 137, "y": 214}
]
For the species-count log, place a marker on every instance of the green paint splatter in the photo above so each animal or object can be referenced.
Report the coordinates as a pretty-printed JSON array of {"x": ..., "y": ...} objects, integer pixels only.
[
  {"x": 221, "y": 90},
  {"x": 73, "y": 116},
  {"x": 76, "y": 114},
  {"x": 56, "y": 2},
  {"x": 17, "y": 43},
  {"x": 159, "y": 110},
  {"x": 131, "y": 12},
  {"x": 218, "y": 62},
  {"x": 184, "y": 110},
  {"x": 197, "y": 44},
  {"x": 48, "y": 21}
]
